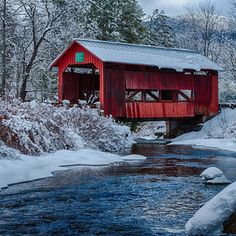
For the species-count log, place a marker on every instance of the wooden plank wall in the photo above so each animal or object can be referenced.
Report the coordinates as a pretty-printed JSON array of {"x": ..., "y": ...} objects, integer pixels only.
[
  {"x": 205, "y": 87},
  {"x": 158, "y": 80},
  {"x": 159, "y": 110},
  {"x": 114, "y": 92}
]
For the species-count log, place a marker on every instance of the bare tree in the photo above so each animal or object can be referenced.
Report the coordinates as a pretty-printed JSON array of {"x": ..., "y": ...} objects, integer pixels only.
[
  {"x": 209, "y": 19},
  {"x": 40, "y": 17},
  {"x": 4, "y": 46},
  {"x": 202, "y": 23}
]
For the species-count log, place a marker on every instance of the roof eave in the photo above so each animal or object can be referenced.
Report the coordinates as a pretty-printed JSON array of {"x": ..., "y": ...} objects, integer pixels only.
[{"x": 55, "y": 62}]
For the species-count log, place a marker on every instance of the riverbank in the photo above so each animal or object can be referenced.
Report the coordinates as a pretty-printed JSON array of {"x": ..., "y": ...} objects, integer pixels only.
[
  {"x": 223, "y": 144},
  {"x": 37, "y": 139},
  {"x": 28, "y": 168},
  {"x": 217, "y": 133}
]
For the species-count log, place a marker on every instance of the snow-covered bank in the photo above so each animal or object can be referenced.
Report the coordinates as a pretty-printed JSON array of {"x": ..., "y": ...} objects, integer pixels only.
[
  {"x": 35, "y": 128},
  {"x": 219, "y": 133},
  {"x": 28, "y": 168},
  {"x": 211, "y": 216},
  {"x": 224, "y": 144}
]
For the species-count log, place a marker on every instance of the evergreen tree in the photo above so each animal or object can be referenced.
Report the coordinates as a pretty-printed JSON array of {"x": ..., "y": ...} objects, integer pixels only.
[
  {"x": 131, "y": 25},
  {"x": 160, "y": 30},
  {"x": 103, "y": 12},
  {"x": 118, "y": 20}
]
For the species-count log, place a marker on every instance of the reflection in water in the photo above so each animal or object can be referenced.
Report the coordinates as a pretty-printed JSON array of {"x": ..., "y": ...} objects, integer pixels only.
[{"x": 153, "y": 197}]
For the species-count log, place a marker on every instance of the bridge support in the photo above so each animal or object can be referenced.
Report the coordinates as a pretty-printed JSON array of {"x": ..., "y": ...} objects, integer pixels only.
[{"x": 175, "y": 128}]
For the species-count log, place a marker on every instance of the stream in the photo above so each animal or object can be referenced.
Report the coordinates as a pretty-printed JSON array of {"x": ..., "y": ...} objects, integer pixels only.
[{"x": 152, "y": 197}]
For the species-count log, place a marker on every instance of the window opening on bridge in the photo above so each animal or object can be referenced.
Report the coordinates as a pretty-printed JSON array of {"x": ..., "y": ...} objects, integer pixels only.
[{"x": 159, "y": 95}]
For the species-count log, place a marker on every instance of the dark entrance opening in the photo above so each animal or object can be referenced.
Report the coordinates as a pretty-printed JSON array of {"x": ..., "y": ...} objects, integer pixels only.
[{"x": 81, "y": 84}]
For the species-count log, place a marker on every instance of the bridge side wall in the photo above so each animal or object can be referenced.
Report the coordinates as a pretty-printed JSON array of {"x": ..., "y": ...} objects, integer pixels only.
[{"x": 119, "y": 78}]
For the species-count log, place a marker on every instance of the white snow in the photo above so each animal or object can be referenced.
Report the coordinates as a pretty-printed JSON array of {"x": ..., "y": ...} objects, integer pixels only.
[
  {"x": 134, "y": 157},
  {"x": 219, "y": 180},
  {"x": 214, "y": 175},
  {"x": 148, "y": 138},
  {"x": 218, "y": 133},
  {"x": 178, "y": 59},
  {"x": 29, "y": 168},
  {"x": 211, "y": 173},
  {"x": 224, "y": 144},
  {"x": 33, "y": 104},
  {"x": 66, "y": 103},
  {"x": 211, "y": 216}
]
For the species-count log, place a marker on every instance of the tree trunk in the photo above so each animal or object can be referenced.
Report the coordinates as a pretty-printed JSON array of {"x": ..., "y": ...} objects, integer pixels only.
[
  {"x": 4, "y": 46},
  {"x": 23, "y": 87}
]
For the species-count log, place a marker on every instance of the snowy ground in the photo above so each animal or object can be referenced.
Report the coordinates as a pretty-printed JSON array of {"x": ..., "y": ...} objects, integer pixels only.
[
  {"x": 218, "y": 133},
  {"x": 27, "y": 168},
  {"x": 224, "y": 144}
]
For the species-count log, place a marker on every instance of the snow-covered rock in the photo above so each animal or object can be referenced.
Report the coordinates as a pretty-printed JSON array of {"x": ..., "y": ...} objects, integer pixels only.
[
  {"x": 66, "y": 103},
  {"x": 214, "y": 175},
  {"x": 210, "y": 218},
  {"x": 219, "y": 180},
  {"x": 83, "y": 103},
  {"x": 211, "y": 173},
  {"x": 8, "y": 153},
  {"x": 98, "y": 105},
  {"x": 148, "y": 138},
  {"x": 134, "y": 157}
]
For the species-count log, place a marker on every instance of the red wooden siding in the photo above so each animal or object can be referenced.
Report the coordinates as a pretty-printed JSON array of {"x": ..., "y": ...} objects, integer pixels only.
[
  {"x": 203, "y": 95},
  {"x": 158, "y": 80},
  {"x": 70, "y": 87},
  {"x": 204, "y": 86},
  {"x": 159, "y": 110},
  {"x": 114, "y": 92},
  {"x": 214, "y": 95}
]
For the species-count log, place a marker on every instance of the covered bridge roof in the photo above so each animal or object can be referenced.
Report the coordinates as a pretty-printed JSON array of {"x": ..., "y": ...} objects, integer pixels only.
[{"x": 172, "y": 58}]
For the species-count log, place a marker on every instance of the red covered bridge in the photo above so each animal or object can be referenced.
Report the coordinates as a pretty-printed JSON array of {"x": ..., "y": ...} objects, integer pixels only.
[{"x": 138, "y": 81}]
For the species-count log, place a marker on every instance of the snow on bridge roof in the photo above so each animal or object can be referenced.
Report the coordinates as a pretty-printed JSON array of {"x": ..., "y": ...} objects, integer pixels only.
[{"x": 173, "y": 58}]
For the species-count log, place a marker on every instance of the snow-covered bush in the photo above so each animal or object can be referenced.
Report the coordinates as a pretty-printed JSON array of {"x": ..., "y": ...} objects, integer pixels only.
[
  {"x": 222, "y": 126},
  {"x": 150, "y": 129},
  {"x": 8, "y": 153},
  {"x": 34, "y": 128}
]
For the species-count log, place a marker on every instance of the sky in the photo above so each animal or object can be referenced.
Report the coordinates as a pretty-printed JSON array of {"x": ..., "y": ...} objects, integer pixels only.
[{"x": 176, "y": 7}]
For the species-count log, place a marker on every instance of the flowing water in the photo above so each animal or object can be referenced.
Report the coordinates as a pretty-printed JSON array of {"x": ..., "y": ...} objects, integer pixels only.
[{"x": 152, "y": 197}]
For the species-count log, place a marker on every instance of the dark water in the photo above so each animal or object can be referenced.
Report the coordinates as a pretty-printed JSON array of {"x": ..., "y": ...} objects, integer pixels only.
[{"x": 153, "y": 197}]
